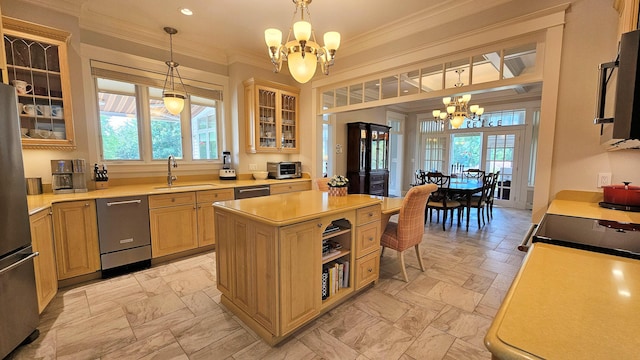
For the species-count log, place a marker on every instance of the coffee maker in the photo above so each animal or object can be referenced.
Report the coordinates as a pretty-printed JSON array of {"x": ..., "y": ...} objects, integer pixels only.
[
  {"x": 67, "y": 176},
  {"x": 227, "y": 173}
]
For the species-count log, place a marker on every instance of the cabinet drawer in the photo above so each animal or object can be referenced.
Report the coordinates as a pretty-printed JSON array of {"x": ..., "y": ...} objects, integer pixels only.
[
  {"x": 174, "y": 199},
  {"x": 211, "y": 196},
  {"x": 290, "y": 187},
  {"x": 378, "y": 178},
  {"x": 367, "y": 269},
  {"x": 368, "y": 214},
  {"x": 367, "y": 238}
]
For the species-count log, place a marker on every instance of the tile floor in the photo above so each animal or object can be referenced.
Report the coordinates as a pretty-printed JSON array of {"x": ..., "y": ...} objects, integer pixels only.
[{"x": 172, "y": 311}]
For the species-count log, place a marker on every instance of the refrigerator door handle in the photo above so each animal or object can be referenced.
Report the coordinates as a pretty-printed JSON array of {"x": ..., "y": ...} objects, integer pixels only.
[{"x": 16, "y": 264}]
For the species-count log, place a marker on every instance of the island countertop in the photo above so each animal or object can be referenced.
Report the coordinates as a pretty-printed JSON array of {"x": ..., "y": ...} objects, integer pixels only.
[{"x": 290, "y": 208}]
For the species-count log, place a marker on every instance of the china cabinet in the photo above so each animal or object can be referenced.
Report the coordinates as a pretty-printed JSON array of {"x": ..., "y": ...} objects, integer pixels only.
[
  {"x": 368, "y": 158},
  {"x": 36, "y": 58},
  {"x": 271, "y": 110}
]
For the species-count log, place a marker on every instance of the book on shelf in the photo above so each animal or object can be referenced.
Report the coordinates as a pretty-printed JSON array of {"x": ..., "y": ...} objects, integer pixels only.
[{"x": 325, "y": 283}]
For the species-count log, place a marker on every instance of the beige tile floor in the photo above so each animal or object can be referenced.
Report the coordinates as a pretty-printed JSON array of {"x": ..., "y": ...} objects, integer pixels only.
[{"x": 172, "y": 311}]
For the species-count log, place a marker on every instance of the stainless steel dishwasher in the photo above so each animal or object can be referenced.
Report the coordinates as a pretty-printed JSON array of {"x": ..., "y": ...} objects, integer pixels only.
[
  {"x": 123, "y": 232},
  {"x": 245, "y": 192}
]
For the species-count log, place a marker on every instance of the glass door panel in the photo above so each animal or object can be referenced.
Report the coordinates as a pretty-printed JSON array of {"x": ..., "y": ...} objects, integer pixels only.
[
  {"x": 501, "y": 156},
  {"x": 466, "y": 152},
  {"x": 267, "y": 110}
]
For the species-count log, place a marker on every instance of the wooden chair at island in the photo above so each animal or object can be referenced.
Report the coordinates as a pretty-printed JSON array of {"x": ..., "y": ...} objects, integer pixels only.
[
  {"x": 323, "y": 184},
  {"x": 409, "y": 229}
]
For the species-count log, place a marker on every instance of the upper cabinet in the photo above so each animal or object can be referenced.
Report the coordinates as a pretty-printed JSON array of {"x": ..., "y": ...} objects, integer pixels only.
[
  {"x": 272, "y": 117},
  {"x": 36, "y": 58},
  {"x": 628, "y": 13}
]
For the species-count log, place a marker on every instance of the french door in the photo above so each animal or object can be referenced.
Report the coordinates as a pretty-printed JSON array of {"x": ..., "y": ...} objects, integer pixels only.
[{"x": 500, "y": 153}]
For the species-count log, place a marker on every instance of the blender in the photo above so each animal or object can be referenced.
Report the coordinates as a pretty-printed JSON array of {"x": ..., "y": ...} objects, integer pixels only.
[{"x": 227, "y": 173}]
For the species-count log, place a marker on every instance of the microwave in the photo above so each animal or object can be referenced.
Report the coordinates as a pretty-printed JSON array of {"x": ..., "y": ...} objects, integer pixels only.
[{"x": 284, "y": 169}]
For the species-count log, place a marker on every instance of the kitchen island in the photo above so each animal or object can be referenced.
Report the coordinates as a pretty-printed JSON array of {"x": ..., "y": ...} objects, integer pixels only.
[
  {"x": 270, "y": 261},
  {"x": 570, "y": 303}
]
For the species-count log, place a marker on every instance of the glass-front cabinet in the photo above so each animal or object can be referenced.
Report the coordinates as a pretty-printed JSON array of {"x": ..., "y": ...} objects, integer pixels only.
[
  {"x": 272, "y": 117},
  {"x": 37, "y": 68},
  {"x": 368, "y": 158}
]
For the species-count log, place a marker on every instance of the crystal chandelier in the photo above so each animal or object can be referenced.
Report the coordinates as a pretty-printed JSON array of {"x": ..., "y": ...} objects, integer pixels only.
[
  {"x": 173, "y": 100},
  {"x": 302, "y": 53},
  {"x": 458, "y": 108}
]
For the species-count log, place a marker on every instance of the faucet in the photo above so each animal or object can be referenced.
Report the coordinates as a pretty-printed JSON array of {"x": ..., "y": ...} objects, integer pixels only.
[{"x": 171, "y": 161}]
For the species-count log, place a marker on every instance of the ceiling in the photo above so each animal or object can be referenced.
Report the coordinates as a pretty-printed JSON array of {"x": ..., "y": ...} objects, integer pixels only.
[{"x": 225, "y": 31}]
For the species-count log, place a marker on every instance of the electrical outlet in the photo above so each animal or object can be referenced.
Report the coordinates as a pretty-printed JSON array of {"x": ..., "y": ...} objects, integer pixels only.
[
  {"x": 338, "y": 148},
  {"x": 253, "y": 167},
  {"x": 604, "y": 179}
]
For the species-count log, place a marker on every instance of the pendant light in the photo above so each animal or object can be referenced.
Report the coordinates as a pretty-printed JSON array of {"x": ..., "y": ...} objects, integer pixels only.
[{"x": 173, "y": 100}]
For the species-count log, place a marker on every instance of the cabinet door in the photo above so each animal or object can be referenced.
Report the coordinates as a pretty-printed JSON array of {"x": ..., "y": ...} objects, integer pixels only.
[
  {"x": 76, "y": 237},
  {"x": 264, "y": 269},
  {"x": 173, "y": 229},
  {"x": 37, "y": 57},
  {"x": 271, "y": 110},
  {"x": 45, "y": 263},
  {"x": 206, "y": 226},
  {"x": 224, "y": 253},
  {"x": 300, "y": 274}
]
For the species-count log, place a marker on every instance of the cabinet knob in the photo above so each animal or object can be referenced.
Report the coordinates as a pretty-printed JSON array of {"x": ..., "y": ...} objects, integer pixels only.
[
  {"x": 370, "y": 270},
  {"x": 371, "y": 238},
  {"x": 370, "y": 214},
  {"x": 86, "y": 204},
  {"x": 319, "y": 225},
  {"x": 215, "y": 195},
  {"x": 173, "y": 199}
]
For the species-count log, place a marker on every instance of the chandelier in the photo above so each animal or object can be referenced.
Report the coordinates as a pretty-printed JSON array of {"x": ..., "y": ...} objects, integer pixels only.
[
  {"x": 173, "y": 100},
  {"x": 458, "y": 108},
  {"x": 302, "y": 53}
]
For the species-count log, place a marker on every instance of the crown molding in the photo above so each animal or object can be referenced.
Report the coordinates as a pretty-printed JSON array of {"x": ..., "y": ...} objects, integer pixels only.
[
  {"x": 69, "y": 7},
  {"x": 445, "y": 12}
]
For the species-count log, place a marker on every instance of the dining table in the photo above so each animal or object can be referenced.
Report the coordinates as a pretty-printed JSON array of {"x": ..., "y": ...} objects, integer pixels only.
[{"x": 465, "y": 188}]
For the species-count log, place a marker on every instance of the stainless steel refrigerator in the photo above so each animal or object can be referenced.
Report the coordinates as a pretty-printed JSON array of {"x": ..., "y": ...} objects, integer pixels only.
[{"x": 18, "y": 302}]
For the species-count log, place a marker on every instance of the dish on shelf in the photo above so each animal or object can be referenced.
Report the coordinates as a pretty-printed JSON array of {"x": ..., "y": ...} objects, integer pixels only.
[{"x": 58, "y": 135}]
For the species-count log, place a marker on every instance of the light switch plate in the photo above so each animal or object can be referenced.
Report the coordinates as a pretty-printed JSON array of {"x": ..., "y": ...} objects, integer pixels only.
[
  {"x": 253, "y": 167},
  {"x": 604, "y": 179}
]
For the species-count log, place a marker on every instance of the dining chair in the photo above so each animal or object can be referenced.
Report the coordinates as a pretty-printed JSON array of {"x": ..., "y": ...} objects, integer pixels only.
[
  {"x": 419, "y": 178},
  {"x": 408, "y": 230},
  {"x": 479, "y": 202},
  {"x": 440, "y": 200},
  {"x": 491, "y": 195},
  {"x": 323, "y": 184},
  {"x": 476, "y": 174}
]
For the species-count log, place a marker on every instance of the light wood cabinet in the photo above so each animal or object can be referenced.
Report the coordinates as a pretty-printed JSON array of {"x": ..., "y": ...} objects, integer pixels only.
[
  {"x": 45, "y": 263},
  {"x": 271, "y": 276},
  {"x": 173, "y": 223},
  {"x": 289, "y": 187},
  {"x": 271, "y": 112},
  {"x": 206, "y": 223},
  {"x": 368, "y": 234},
  {"x": 301, "y": 297},
  {"x": 4, "y": 76},
  {"x": 75, "y": 230},
  {"x": 37, "y": 55},
  {"x": 628, "y": 15}
]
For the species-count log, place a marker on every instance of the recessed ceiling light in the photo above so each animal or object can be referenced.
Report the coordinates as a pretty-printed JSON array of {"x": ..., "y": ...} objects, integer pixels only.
[{"x": 186, "y": 11}]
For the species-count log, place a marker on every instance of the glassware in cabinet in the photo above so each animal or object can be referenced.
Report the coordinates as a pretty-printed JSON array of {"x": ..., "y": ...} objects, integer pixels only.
[
  {"x": 272, "y": 117},
  {"x": 37, "y": 67}
]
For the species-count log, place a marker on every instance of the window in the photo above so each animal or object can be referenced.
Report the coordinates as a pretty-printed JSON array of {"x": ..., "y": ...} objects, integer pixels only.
[
  {"x": 118, "y": 120},
  {"x": 432, "y": 146},
  {"x": 131, "y": 112}
]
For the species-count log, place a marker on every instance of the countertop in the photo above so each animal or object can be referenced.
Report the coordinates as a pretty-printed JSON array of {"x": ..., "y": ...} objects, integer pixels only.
[
  {"x": 570, "y": 303},
  {"x": 585, "y": 204},
  {"x": 37, "y": 203},
  {"x": 290, "y": 208}
]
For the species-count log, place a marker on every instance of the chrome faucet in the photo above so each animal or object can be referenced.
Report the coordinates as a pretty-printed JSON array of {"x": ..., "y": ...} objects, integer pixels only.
[{"x": 171, "y": 161}]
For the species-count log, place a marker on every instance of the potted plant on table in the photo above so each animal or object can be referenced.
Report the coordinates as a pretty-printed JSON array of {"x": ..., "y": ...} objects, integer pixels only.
[{"x": 338, "y": 185}]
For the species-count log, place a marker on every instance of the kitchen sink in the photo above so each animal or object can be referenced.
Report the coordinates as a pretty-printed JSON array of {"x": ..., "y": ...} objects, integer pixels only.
[{"x": 186, "y": 187}]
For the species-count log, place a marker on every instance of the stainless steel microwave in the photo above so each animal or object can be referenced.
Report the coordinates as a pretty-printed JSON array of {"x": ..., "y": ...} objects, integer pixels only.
[{"x": 284, "y": 169}]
